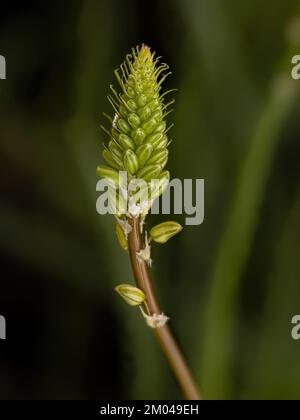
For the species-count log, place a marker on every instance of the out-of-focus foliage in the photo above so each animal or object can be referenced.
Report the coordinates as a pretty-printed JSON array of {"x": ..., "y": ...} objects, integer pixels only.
[{"x": 231, "y": 285}]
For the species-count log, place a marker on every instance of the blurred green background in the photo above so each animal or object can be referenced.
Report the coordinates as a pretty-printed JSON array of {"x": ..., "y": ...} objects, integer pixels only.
[{"x": 231, "y": 285}]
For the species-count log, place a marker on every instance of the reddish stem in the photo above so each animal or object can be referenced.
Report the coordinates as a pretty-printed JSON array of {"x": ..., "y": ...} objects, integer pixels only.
[{"x": 164, "y": 335}]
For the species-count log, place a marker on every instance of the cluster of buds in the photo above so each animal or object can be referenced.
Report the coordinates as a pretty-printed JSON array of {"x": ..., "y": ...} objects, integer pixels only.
[
  {"x": 138, "y": 145},
  {"x": 138, "y": 135}
]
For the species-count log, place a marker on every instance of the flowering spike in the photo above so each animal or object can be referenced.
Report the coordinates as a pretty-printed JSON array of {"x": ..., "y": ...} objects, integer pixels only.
[{"x": 138, "y": 125}]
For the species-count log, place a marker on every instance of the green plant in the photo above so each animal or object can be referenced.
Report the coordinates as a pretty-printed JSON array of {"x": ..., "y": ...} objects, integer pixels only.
[{"x": 138, "y": 145}]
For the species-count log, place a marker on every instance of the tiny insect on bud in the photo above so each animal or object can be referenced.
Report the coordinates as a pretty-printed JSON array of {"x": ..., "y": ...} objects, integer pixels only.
[
  {"x": 121, "y": 236},
  {"x": 132, "y": 295},
  {"x": 109, "y": 174},
  {"x": 131, "y": 162},
  {"x": 164, "y": 231}
]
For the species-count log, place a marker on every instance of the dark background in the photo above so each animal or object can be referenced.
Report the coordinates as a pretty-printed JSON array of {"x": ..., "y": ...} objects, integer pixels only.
[{"x": 231, "y": 285}]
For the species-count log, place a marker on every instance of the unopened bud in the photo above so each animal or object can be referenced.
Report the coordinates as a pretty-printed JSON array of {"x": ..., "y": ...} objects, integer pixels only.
[
  {"x": 131, "y": 162},
  {"x": 132, "y": 295},
  {"x": 108, "y": 157},
  {"x": 109, "y": 174},
  {"x": 124, "y": 126},
  {"x": 149, "y": 172},
  {"x": 126, "y": 142},
  {"x": 144, "y": 152},
  {"x": 134, "y": 120},
  {"x": 158, "y": 158},
  {"x": 121, "y": 236},
  {"x": 138, "y": 136},
  {"x": 165, "y": 231}
]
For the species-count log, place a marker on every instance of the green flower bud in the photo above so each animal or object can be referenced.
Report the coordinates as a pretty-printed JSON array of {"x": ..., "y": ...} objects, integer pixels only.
[
  {"x": 131, "y": 104},
  {"x": 132, "y": 295},
  {"x": 165, "y": 175},
  {"x": 158, "y": 187},
  {"x": 160, "y": 128},
  {"x": 157, "y": 114},
  {"x": 149, "y": 172},
  {"x": 165, "y": 231},
  {"x": 123, "y": 111},
  {"x": 134, "y": 120},
  {"x": 126, "y": 142},
  {"x": 131, "y": 162},
  {"x": 130, "y": 92},
  {"x": 154, "y": 139},
  {"x": 124, "y": 126},
  {"x": 162, "y": 143},
  {"x": 108, "y": 157},
  {"x": 150, "y": 93},
  {"x": 158, "y": 158},
  {"x": 121, "y": 236},
  {"x": 109, "y": 174},
  {"x": 145, "y": 113},
  {"x": 115, "y": 149},
  {"x": 138, "y": 136},
  {"x": 154, "y": 105},
  {"x": 144, "y": 152},
  {"x": 142, "y": 100},
  {"x": 149, "y": 126}
]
